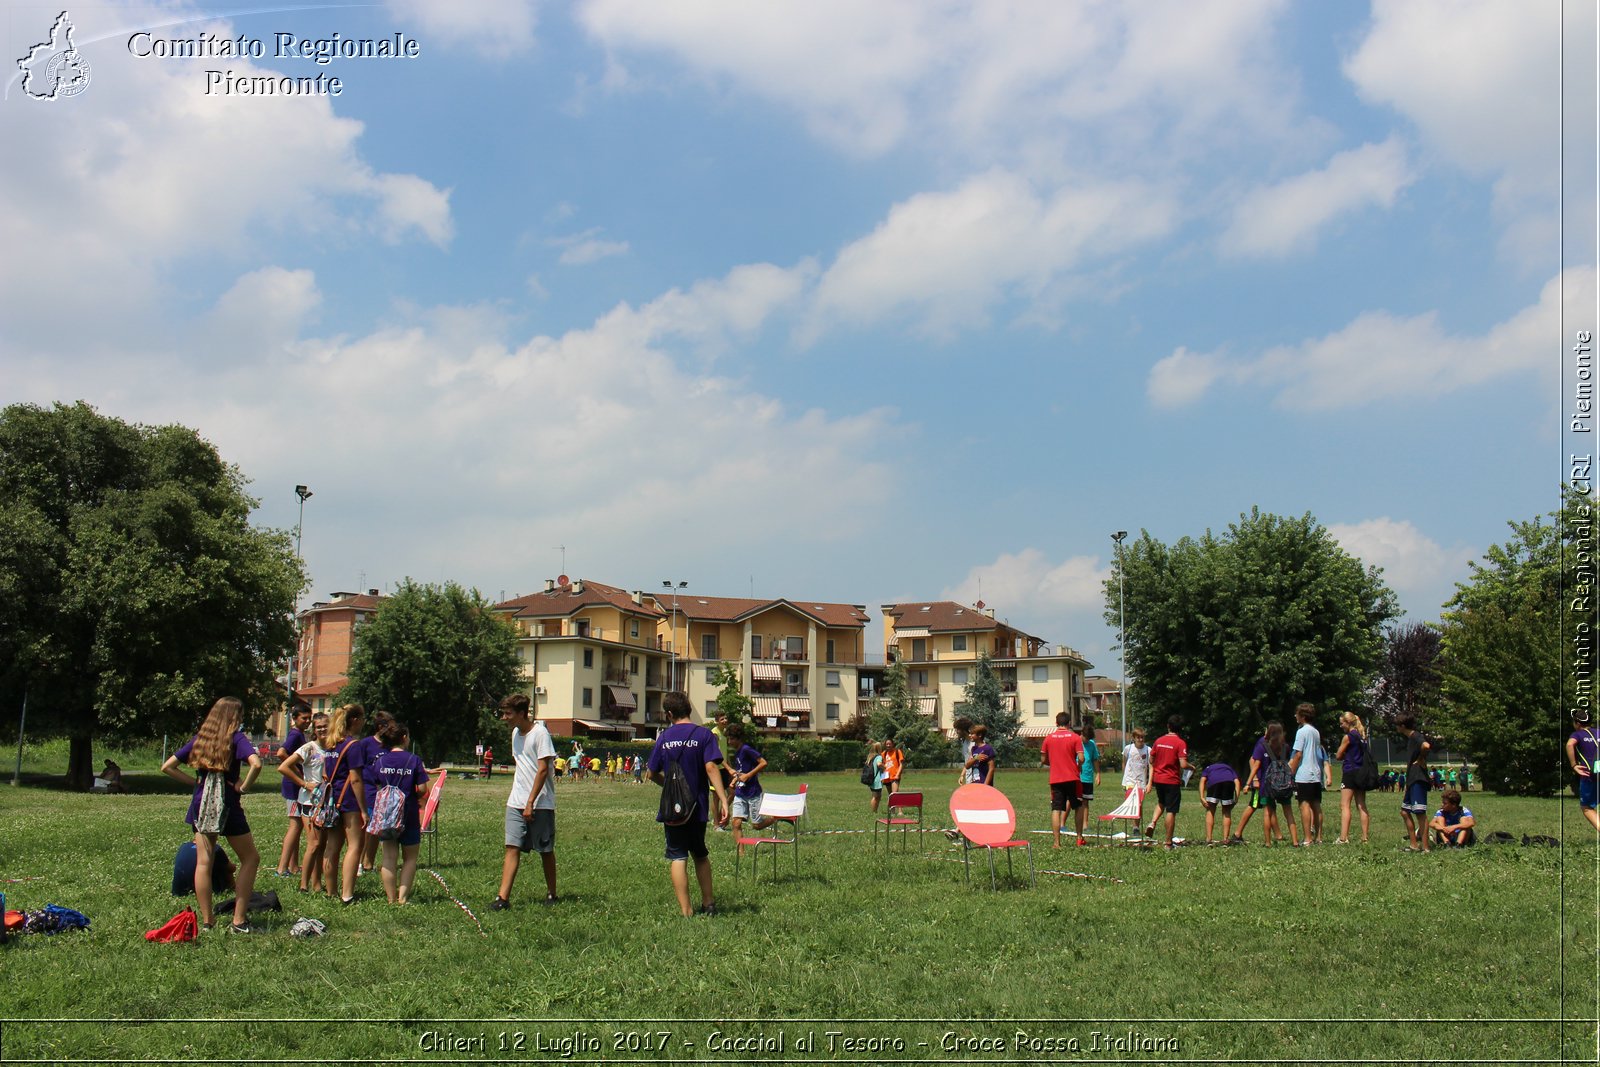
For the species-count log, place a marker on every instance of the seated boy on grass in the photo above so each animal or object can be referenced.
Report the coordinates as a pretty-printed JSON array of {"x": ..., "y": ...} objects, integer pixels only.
[{"x": 1453, "y": 824}]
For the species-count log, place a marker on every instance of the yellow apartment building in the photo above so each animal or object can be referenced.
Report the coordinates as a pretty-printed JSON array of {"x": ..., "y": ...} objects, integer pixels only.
[
  {"x": 940, "y": 642},
  {"x": 592, "y": 658},
  {"x": 800, "y": 660}
]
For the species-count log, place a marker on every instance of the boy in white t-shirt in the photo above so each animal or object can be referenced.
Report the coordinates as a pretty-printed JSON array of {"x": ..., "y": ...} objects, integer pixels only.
[{"x": 531, "y": 807}]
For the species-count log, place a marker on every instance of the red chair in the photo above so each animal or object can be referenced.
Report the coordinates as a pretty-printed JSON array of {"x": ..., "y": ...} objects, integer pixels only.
[
  {"x": 781, "y": 808},
  {"x": 902, "y": 802},
  {"x": 986, "y": 820}
]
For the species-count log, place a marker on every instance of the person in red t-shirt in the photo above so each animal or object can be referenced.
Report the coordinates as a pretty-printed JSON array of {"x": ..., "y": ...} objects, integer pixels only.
[
  {"x": 1169, "y": 756},
  {"x": 1061, "y": 752}
]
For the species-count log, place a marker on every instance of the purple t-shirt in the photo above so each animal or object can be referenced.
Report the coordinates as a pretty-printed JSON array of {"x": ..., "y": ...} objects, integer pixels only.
[
  {"x": 405, "y": 771},
  {"x": 291, "y": 745},
  {"x": 980, "y": 771},
  {"x": 371, "y": 749},
  {"x": 1354, "y": 752},
  {"x": 1216, "y": 773},
  {"x": 348, "y": 757},
  {"x": 242, "y": 750},
  {"x": 691, "y": 747},
  {"x": 1260, "y": 755},
  {"x": 1588, "y": 749},
  {"x": 745, "y": 760}
]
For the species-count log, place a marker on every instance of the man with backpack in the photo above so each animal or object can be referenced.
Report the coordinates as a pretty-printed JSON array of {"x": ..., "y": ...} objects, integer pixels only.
[
  {"x": 686, "y": 762},
  {"x": 531, "y": 807}
]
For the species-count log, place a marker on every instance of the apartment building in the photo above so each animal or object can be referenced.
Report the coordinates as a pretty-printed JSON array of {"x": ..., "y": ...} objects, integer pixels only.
[
  {"x": 800, "y": 660},
  {"x": 328, "y": 630},
  {"x": 939, "y": 642},
  {"x": 593, "y": 658}
]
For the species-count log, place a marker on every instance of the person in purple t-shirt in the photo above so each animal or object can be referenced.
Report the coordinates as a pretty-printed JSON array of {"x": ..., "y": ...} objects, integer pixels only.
[
  {"x": 289, "y": 858},
  {"x": 694, "y": 749},
  {"x": 406, "y": 772},
  {"x": 745, "y": 768},
  {"x": 1583, "y": 748},
  {"x": 344, "y": 765},
  {"x": 218, "y": 749},
  {"x": 981, "y": 762},
  {"x": 371, "y": 748},
  {"x": 1219, "y": 788},
  {"x": 1251, "y": 788}
]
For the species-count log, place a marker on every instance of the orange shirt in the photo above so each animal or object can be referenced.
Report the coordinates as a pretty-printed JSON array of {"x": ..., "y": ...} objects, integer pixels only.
[{"x": 893, "y": 760}]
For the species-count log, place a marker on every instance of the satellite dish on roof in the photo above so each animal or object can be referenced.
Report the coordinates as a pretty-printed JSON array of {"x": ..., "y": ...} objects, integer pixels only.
[
  {"x": 563, "y": 581},
  {"x": 980, "y": 605}
]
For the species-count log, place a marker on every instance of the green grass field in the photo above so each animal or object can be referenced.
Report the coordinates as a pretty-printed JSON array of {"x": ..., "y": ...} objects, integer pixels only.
[{"x": 1200, "y": 955}]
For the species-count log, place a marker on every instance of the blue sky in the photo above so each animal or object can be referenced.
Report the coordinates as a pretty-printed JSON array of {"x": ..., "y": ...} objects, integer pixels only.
[{"x": 840, "y": 301}]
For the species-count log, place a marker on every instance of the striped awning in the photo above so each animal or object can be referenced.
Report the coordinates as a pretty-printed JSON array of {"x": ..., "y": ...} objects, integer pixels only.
[
  {"x": 622, "y": 698},
  {"x": 766, "y": 672},
  {"x": 911, "y": 631},
  {"x": 797, "y": 704},
  {"x": 769, "y": 706},
  {"x": 928, "y": 705}
]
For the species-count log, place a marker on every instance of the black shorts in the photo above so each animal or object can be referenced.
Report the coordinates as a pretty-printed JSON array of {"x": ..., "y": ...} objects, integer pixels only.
[
  {"x": 1309, "y": 792},
  {"x": 686, "y": 840},
  {"x": 1220, "y": 793},
  {"x": 1066, "y": 794},
  {"x": 1170, "y": 797}
]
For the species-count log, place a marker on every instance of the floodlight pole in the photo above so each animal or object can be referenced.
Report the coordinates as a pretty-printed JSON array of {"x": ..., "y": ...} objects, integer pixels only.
[
  {"x": 665, "y": 584},
  {"x": 1122, "y": 637},
  {"x": 288, "y": 671}
]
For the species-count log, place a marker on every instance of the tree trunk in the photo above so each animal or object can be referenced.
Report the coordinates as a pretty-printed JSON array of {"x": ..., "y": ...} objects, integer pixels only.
[{"x": 80, "y": 763}]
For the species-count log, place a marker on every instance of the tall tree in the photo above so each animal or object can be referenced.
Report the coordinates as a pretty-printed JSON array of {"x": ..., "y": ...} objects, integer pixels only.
[
  {"x": 133, "y": 589},
  {"x": 898, "y": 715},
  {"x": 437, "y": 658},
  {"x": 985, "y": 705},
  {"x": 1408, "y": 681},
  {"x": 1505, "y": 674},
  {"x": 1235, "y": 630}
]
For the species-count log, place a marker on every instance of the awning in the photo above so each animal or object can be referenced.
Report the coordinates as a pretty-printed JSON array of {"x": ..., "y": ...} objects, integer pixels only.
[
  {"x": 605, "y": 727},
  {"x": 769, "y": 706},
  {"x": 792, "y": 705},
  {"x": 622, "y": 698},
  {"x": 927, "y": 705},
  {"x": 911, "y": 631},
  {"x": 766, "y": 672}
]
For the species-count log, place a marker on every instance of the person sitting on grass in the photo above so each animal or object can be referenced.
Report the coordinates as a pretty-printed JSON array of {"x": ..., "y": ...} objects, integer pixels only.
[
  {"x": 109, "y": 780},
  {"x": 1453, "y": 825},
  {"x": 1219, "y": 787},
  {"x": 183, "y": 865}
]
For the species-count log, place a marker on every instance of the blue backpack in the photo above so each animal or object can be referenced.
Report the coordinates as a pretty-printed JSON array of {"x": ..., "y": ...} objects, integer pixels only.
[{"x": 388, "y": 819}]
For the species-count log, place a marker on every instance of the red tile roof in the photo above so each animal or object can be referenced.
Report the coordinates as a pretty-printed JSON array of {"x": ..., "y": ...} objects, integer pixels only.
[
  {"x": 737, "y": 609},
  {"x": 941, "y": 615},
  {"x": 349, "y": 601},
  {"x": 563, "y": 601}
]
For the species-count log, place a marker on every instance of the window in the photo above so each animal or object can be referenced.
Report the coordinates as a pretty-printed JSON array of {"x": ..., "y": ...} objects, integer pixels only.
[
  {"x": 588, "y": 698},
  {"x": 919, "y": 648},
  {"x": 708, "y": 646},
  {"x": 959, "y": 676},
  {"x": 797, "y": 648},
  {"x": 832, "y": 712},
  {"x": 583, "y": 627},
  {"x": 633, "y": 664},
  {"x": 832, "y": 678},
  {"x": 711, "y": 711},
  {"x": 830, "y": 651},
  {"x": 1041, "y": 674},
  {"x": 755, "y": 646},
  {"x": 711, "y": 675},
  {"x": 588, "y": 658},
  {"x": 919, "y": 678},
  {"x": 1041, "y": 709},
  {"x": 633, "y": 628},
  {"x": 1075, "y": 681},
  {"x": 958, "y": 643}
]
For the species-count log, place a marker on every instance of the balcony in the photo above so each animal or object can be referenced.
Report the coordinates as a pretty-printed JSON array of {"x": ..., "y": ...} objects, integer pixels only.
[
  {"x": 781, "y": 655},
  {"x": 612, "y": 713},
  {"x": 618, "y": 676}
]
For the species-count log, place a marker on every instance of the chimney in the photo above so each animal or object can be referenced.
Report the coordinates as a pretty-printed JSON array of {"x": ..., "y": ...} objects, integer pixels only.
[
  {"x": 577, "y": 587},
  {"x": 989, "y": 612},
  {"x": 638, "y": 597},
  {"x": 372, "y": 592},
  {"x": 549, "y": 585}
]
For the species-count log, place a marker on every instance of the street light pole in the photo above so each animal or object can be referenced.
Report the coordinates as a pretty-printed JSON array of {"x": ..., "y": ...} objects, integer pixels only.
[
  {"x": 668, "y": 585},
  {"x": 1122, "y": 637},
  {"x": 288, "y": 674}
]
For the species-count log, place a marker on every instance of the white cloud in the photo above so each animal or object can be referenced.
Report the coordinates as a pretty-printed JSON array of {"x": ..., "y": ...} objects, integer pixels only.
[
  {"x": 497, "y": 29},
  {"x": 1283, "y": 218},
  {"x": 592, "y": 251},
  {"x": 944, "y": 259},
  {"x": 1029, "y": 585},
  {"x": 145, "y": 172},
  {"x": 1411, "y": 560},
  {"x": 1381, "y": 357},
  {"x": 998, "y": 76},
  {"x": 1479, "y": 78}
]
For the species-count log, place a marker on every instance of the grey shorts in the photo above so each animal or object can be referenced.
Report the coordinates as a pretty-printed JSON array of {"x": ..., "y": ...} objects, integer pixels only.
[
  {"x": 535, "y": 834},
  {"x": 747, "y": 807}
]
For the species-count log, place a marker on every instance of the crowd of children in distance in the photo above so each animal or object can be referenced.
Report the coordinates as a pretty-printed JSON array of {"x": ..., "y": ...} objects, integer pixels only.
[{"x": 346, "y": 795}]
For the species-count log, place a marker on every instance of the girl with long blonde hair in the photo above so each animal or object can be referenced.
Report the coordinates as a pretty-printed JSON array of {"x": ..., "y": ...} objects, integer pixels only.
[
  {"x": 344, "y": 765},
  {"x": 219, "y": 748},
  {"x": 1355, "y": 749}
]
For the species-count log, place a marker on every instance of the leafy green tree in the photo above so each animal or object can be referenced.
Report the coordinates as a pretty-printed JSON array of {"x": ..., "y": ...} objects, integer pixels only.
[
  {"x": 437, "y": 658},
  {"x": 1235, "y": 630},
  {"x": 733, "y": 701},
  {"x": 133, "y": 589},
  {"x": 1503, "y": 679},
  {"x": 985, "y": 706},
  {"x": 898, "y": 715}
]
